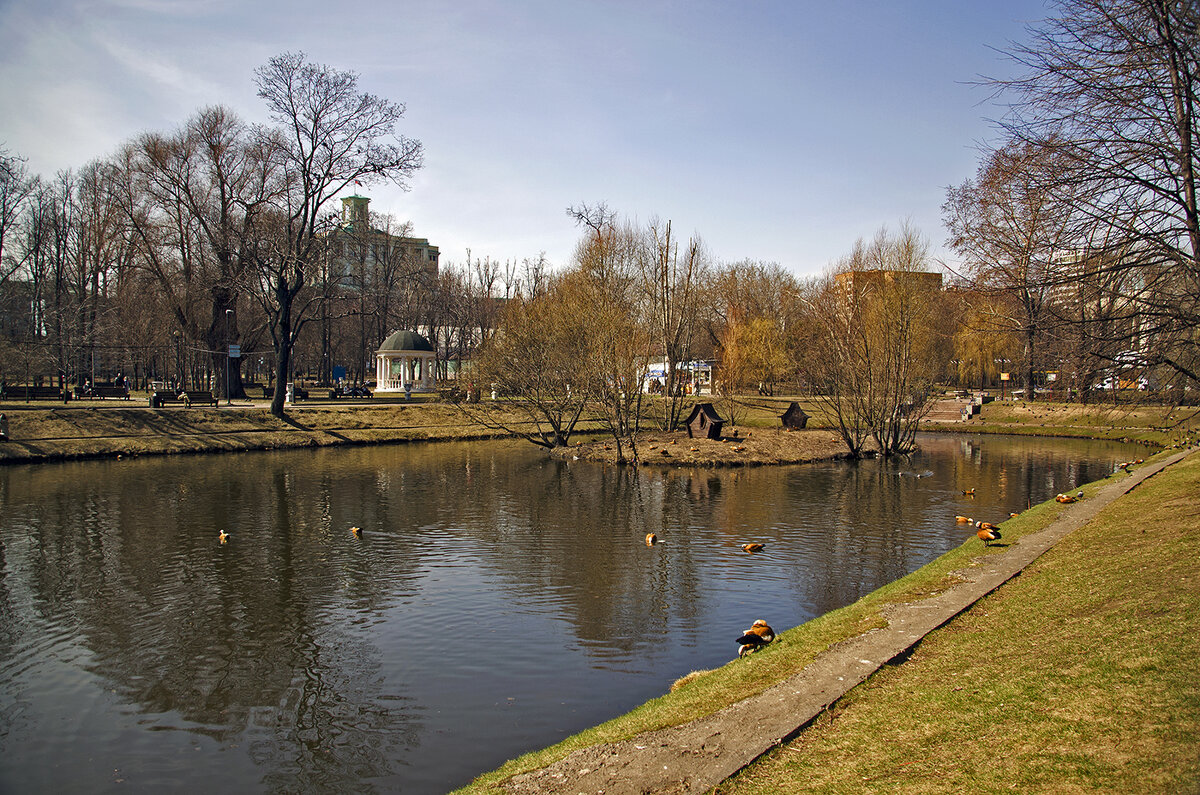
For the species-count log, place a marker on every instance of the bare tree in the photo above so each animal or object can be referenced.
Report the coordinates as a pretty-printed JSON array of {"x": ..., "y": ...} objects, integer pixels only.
[
  {"x": 330, "y": 135},
  {"x": 603, "y": 288},
  {"x": 671, "y": 291},
  {"x": 878, "y": 351},
  {"x": 17, "y": 188},
  {"x": 193, "y": 200},
  {"x": 1111, "y": 86},
  {"x": 1009, "y": 229}
]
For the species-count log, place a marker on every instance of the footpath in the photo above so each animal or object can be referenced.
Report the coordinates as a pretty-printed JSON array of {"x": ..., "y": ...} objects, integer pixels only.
[{"x": 697, "y": 756}]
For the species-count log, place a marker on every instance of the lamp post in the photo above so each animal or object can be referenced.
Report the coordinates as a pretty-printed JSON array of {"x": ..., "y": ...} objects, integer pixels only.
[
  {"x": 228, "y": 356},
  {"x": 178, "y": 359}
]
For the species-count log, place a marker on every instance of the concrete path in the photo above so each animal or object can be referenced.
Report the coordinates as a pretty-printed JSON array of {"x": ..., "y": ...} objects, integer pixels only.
[{"x": 699, "y": 755}]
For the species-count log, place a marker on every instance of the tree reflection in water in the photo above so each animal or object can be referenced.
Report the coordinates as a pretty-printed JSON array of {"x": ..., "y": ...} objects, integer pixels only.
[{"x": 496, "y": 600}]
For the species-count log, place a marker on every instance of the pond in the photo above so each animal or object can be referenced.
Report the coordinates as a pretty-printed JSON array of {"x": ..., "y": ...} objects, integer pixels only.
[{"x": 495, "y": 602}]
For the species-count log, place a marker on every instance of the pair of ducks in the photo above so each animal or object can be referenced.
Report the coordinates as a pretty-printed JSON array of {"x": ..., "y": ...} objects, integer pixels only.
[
  {"x": 652, "y": 539},
  {"x": 987, "y": 532},
  {"x": 224, "y": 537}
]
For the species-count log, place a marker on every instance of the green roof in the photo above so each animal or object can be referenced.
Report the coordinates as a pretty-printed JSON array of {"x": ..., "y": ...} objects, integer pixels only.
[{"x": 406, "y": 341}]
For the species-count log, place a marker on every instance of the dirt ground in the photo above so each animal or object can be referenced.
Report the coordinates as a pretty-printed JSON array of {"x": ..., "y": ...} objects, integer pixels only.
[{"x": 739, "y": 447}]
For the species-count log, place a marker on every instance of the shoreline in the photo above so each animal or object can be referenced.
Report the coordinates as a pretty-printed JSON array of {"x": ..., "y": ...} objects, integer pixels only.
[
  {"x": 42, "y": 434},
  {"x": 39, "y": 434},
  {"x": 80, "y": 431}
]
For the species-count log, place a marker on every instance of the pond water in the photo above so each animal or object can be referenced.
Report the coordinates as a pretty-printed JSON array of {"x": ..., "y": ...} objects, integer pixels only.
[{"x": 495, "y": 602}]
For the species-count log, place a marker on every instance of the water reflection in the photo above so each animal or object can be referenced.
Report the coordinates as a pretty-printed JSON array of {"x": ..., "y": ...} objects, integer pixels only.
[{"x": 496, "y": 600}]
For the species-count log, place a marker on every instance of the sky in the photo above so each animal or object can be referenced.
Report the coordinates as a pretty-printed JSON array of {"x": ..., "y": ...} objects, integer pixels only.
[{"x": 777, "y": 131}]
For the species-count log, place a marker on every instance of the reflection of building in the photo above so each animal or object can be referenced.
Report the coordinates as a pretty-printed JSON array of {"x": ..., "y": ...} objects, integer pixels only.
[{"x": 360, "y": 249}]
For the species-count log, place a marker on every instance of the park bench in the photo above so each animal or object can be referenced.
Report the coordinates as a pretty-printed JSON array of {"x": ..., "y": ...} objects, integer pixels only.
[
  {"x": 249, "y": 386},
  {"x": 102, "y": 391},
  {"x": 351, "y": 392},
  {"x": 186, "y": 398},
  {"x": 35, "y": 393}
]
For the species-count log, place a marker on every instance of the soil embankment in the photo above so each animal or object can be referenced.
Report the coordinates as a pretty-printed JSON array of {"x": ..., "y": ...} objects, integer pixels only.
[
  {"x": 40, "y": 434},
  {"x": 48, "y": 434},
  {"x": 741, "y": 447}
]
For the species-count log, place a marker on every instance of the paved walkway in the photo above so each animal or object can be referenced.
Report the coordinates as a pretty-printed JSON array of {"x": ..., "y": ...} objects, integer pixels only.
[{"x": 699, "y": 755}]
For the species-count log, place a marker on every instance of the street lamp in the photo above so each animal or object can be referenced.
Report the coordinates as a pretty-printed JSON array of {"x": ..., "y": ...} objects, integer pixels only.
[
  {"x": 178, "y": 359},
  {"x": 228, "y": 356}
]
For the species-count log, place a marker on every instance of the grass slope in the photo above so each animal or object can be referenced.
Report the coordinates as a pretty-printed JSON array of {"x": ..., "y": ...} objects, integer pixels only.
[{"x": 1078, "y": 676}]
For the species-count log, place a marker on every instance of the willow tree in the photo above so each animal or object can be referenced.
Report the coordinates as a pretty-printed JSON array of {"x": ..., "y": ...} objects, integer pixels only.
[
  {"x": 748, "y": 305},
  {"x": 534, "y": 364}
]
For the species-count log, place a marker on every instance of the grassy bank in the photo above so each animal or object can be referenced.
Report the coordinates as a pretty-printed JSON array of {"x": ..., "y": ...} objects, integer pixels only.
[
  {"x": 1006, "y": 679},
  {"x": 1077, "y": 676},
  {"x": 1160, "y": 426},
  {"x": 41, "y": 433}
]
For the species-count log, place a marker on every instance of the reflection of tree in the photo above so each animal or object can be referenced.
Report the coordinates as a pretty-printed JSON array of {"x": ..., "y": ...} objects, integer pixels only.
[
  {"x": 286, "y": 639},
  {"x": 224, "y": 636},
  {"x": 617, "y": 595}
]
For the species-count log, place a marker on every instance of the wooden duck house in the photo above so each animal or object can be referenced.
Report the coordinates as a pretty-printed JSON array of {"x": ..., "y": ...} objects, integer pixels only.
[
  {"x": 795, "y": 418},
  {"x": 704, "y": 422}
]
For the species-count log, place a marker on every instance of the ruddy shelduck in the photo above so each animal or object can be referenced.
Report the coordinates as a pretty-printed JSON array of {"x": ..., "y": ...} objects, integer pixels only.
[
  {"x": 988, "y": 532},
  {"x": 755, "y": 638}
]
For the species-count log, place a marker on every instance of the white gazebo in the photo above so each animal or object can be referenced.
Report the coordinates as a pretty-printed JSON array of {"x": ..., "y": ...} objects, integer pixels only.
[{"x": 404, "y": 363}]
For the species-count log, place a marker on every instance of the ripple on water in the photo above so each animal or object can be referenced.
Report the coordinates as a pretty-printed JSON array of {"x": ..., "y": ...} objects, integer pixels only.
[{"x": 495, "y": 601}]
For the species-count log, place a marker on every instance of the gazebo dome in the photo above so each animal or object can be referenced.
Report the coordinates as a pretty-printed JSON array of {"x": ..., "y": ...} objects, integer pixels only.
[{"x": 405, "y": 341}]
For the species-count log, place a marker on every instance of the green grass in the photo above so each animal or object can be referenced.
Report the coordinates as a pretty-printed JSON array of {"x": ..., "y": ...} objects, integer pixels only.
[
  {"x": 1078, "y": 676},
  {"x": 1160, "y": 426}
]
